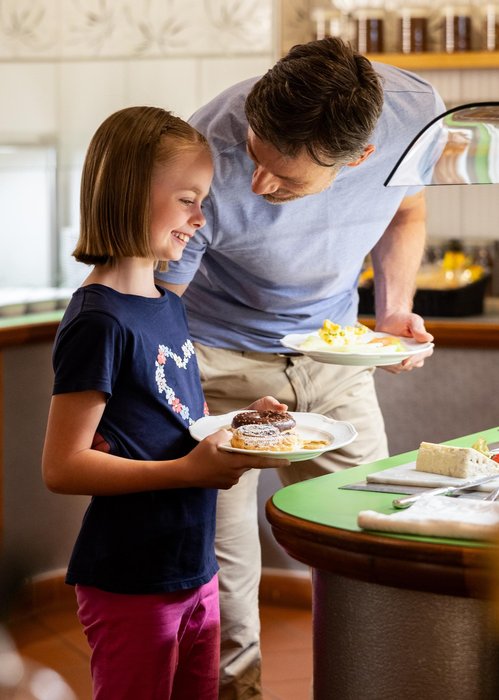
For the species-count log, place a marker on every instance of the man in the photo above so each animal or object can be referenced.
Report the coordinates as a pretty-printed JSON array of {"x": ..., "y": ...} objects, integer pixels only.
[{"x": 296, "y": 204}]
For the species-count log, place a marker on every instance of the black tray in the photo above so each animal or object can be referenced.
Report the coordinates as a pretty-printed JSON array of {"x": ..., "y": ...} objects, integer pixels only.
[{"x": 463, "y": 301}]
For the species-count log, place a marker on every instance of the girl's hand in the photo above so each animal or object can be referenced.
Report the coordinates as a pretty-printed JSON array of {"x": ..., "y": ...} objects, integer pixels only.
[
  {"x": 210, "y": 467},
  {"x": 267, "y": 403}
]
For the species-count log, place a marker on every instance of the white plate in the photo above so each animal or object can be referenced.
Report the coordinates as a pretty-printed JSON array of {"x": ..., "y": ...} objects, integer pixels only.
[
  {"x": 309, "y": 426},
  {"x": 363, "y": 359}
]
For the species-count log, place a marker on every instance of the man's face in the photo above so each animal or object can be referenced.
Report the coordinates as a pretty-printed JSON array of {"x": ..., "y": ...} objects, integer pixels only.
[{"x": 279, "y": 178}]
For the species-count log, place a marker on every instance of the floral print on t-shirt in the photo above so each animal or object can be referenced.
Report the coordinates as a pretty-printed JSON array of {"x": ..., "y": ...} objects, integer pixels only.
[{"x": 164, "y": 354}]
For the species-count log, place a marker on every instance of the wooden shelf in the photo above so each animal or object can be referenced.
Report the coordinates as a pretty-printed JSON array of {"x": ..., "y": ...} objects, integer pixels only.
[
  {"x": 465, "y": 60},
  {"x": 297, "y": 27}
]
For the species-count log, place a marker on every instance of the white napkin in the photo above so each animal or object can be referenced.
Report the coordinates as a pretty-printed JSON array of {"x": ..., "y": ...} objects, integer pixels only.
[{"x": 439, "y": 516}]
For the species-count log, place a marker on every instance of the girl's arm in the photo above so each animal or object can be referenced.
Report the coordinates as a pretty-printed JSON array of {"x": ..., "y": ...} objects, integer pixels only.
[{"x": 70, "y": 465}]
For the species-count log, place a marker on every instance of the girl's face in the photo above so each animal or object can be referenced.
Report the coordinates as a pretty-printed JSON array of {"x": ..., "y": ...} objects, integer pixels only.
[{"x": 177, "y": 191}]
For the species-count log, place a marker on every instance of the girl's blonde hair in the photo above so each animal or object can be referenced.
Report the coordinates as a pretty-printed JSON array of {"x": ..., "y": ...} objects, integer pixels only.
[{"x": 116, "y": 181}]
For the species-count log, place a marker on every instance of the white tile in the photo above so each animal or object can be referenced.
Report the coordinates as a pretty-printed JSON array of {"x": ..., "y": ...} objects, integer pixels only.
[
  {"x": 92, "y": 29},
  {"x": 170, "y": 83},
  {"x": 445, "y": 215},
  {"x": 480, "y": 206},
  {"x": 158, "y": 28},
  {"x": 29, "y": 29},
  {"x": 89, "y": 92},
  {"x": 236, "y": 26},
  {"x": 96, "y": 29},
  {"x": 217, "y": 74},
  {"x": 447, "y": 83},
  {"x": 28, "y": 98},
  {"x": 480, "y": 85},
  {"x": 149, "y": 28}
]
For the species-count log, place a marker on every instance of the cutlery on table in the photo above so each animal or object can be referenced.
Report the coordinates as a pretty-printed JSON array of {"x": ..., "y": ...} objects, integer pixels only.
[
  {"x": 492, "y": 496},
  {"x": 407, "y": 501}
]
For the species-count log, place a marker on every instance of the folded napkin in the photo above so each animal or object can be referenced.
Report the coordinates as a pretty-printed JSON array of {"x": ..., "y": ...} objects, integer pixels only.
[{"x": 439, "y": 516}]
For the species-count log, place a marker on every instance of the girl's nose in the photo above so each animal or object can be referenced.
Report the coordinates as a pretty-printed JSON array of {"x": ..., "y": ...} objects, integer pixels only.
[
  {"x": 198, "y": 219},
  {"x": 263, "y": 182}
]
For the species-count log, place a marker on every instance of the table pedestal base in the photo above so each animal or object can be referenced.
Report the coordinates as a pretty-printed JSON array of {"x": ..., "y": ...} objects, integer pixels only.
[{"x": 374, "y": 642}]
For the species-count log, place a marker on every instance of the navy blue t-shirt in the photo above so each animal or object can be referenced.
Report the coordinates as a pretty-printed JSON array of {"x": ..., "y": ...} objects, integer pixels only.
[{"x": 137, "y": 351}]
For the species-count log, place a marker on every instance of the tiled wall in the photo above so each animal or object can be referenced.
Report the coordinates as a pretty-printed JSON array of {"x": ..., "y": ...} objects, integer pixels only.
[
  {"x": 67, "y": 64},
  {"x": 64, "y": 64}
]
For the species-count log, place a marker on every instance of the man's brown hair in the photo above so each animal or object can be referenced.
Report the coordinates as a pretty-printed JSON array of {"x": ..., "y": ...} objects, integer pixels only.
[
  {"x": 322, "y": 96},
  {"x": 116, "y": 180}
]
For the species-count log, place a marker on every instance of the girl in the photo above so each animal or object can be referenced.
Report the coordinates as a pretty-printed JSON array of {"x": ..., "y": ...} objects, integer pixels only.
[{"x": 126, "y": 390}]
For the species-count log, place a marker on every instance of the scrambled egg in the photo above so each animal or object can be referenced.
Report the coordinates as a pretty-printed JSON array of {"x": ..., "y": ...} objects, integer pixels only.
[
  {"x": 334, "y": 334},
  {"x": 357, "y": 339}
]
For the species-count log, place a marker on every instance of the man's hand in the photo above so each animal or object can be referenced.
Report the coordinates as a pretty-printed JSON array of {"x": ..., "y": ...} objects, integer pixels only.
[{"x": 407, "y": 325}]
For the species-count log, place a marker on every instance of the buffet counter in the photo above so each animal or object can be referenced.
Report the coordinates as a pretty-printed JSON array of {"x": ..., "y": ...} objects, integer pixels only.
[
  {"x": 394, "y": 616},
  {"x": 31, "y": 328},
  {"x": 472, "y": 331},
  {"x": 465, "y": 355},
  {"x": 34, "y": 524},
  {"x": 469, "y": 332}
]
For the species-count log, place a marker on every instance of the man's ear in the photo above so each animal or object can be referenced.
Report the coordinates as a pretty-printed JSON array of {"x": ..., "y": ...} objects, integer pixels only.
[{"x": 367, "y": 152}]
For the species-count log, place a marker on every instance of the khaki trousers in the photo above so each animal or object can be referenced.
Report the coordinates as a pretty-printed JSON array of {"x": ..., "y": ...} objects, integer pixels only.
[{"x": 232, "y": 380}]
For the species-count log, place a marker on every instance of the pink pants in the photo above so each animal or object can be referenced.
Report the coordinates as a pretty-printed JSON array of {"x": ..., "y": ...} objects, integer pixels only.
[{"x": 153, "y": 647}]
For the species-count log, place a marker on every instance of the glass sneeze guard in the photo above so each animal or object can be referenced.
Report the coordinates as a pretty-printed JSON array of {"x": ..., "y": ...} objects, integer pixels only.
[{"x": 459, "y": 147}]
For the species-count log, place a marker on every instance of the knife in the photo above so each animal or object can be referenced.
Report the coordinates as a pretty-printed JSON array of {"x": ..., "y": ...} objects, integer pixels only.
[{"x": 407, "y": 501}]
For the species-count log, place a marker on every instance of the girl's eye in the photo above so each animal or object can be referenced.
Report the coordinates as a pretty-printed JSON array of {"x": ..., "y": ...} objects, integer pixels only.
[{"x": 187, "y": 201}]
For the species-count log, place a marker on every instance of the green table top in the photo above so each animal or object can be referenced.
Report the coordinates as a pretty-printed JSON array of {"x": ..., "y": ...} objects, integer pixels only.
[
  {"x": 322, "y": 500},
  {"x": 29, "y": 319}
]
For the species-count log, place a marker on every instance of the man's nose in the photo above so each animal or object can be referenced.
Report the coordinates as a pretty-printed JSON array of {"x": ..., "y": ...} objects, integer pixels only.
[{"x": 263, "y": 182}]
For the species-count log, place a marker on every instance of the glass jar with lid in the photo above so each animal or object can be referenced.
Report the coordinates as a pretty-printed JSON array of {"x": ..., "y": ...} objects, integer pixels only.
[
  {"x": 490, "y": 26},
  {"x": 369, "y": 21},
  {"x": 413, "y": 27},
  {"x": 456, "y": 27}
]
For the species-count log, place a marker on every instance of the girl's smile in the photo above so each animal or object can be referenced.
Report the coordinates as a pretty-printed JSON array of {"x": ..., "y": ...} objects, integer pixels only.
[{"x": 177, "y": 192}]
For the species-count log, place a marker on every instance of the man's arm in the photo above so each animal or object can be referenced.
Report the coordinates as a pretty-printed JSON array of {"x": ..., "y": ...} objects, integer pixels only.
[
  {"x": 396, "y": 259},
  {"x": 397, "y": 256},
  {"x": 177, "y": 289}
]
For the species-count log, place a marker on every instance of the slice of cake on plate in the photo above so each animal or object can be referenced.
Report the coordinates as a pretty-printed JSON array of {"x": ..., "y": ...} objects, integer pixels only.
[{"x": 460, "y": 462}]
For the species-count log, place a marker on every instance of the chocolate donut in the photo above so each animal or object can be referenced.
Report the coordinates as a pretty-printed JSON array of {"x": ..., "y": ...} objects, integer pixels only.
[
  {"x": 282, "y": 420},
  {"x": 262, "y": 436}
]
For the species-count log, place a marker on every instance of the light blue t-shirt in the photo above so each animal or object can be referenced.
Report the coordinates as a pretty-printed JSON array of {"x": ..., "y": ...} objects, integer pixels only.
[{"x": 257, "y": 271}]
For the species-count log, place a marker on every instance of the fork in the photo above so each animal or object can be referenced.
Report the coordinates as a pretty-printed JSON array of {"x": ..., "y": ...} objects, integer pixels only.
[{"x": 492, "y": 495}]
